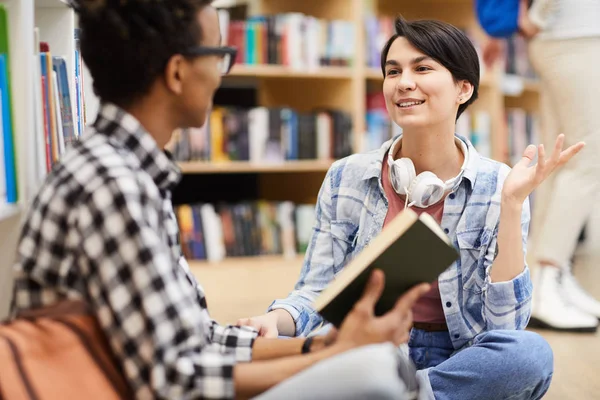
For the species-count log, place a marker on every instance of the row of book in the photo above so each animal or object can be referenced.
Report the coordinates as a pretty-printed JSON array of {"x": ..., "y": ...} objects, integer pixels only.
[
  {"x": 60, "y": 130},
  {"x": 59, "y": 103},
  {"x": 266, "y": 135},
  {"x": 303, "y": 41},
  {"x": 249, "y": 228},
  {"x": 292, "y": 39}
]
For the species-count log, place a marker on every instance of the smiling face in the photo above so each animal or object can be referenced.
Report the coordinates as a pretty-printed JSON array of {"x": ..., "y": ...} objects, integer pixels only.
[{"x": 420, "y": 92}]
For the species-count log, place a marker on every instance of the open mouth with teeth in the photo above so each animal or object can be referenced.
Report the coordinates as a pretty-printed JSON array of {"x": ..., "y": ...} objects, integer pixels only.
[{"x": 409, "y": 104}]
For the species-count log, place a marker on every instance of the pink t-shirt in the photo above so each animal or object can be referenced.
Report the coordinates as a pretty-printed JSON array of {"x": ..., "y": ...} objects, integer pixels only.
[{"x": 429, "y": 307}]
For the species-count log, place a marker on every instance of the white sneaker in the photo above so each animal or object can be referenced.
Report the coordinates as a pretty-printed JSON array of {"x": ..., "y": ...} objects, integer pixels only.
[
  {"x": 576, "y": 295},
  {"x": 550, "y": 308}
]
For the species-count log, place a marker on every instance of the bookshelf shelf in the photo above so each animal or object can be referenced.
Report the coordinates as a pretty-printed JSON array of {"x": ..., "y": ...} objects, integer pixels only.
[
  {"x": 373, "y": 74},
  {"x": 515, "y": 86},
  {"x": 205, "y": 167},
  {"x": 280, "y": 71}
]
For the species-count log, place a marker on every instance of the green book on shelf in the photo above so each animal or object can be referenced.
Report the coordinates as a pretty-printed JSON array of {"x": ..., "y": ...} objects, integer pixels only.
[
  {"x": 3, "y": 30},
  {"x": 411, "y": 249}
]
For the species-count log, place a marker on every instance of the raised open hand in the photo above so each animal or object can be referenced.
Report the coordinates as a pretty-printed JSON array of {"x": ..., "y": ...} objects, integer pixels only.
[{"x": 524, "y": 178}]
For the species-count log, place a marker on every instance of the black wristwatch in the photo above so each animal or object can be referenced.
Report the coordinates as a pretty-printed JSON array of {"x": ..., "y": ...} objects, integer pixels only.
[{"x": 306, "y": 345}]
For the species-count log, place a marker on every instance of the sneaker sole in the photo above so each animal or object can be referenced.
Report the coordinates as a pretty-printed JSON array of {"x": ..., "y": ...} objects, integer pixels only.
[{"x": 538, "y": 323}]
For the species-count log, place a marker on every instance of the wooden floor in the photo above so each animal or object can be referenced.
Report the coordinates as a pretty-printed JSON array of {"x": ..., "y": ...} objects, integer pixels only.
[{"x": 235, "y": 291}]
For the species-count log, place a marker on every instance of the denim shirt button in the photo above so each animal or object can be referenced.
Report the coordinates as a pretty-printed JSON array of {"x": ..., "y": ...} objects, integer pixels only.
[
  {"x": 448, "y": 304},
  {"x": 452, "y": 196},
  {"x": 446, "y": 230},
  {"x": 456, "y": 336}
]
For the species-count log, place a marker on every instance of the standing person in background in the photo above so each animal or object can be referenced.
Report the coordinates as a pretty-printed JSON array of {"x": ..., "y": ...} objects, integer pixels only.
[{"x": 564, "y": 49}]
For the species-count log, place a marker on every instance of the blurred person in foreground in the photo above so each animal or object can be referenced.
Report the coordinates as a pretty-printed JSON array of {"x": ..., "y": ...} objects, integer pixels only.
[{"x": 102, "y": 229}]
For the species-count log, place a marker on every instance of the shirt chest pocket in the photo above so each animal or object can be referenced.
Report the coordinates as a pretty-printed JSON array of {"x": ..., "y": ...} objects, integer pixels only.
[
  {"x": 344, "y": 236},
  {"x": 473, "y": 245}
]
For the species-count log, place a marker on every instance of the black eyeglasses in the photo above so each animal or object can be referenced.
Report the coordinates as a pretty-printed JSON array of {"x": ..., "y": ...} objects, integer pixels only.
[{"x": 227, "y": 55}]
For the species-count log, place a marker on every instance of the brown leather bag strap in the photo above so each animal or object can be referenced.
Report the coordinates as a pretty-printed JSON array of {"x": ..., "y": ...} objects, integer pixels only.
[
  {"x": 20, "y": 368},
  {"x": 107, "y": 370},
  {"x": 1, "y": 395}
]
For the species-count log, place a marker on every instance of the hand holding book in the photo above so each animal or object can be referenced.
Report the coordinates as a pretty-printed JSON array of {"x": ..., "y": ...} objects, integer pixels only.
[
  {"x": 362, "y": 327},
  {"x": 412, "y": 249}
]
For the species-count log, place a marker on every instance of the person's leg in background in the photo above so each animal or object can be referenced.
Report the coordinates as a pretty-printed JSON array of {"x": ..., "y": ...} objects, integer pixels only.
[
  {"x": 370, "y": 372},
  {"x": 549, "y": 129},
  {"x": 570, "y": 81},
  {"x": 515, "y": 365}
]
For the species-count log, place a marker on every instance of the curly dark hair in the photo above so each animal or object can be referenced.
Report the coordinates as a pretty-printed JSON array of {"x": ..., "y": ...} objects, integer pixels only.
[
  {"x": 126, "y": 44},
  {"x": 444, "y": 43}
]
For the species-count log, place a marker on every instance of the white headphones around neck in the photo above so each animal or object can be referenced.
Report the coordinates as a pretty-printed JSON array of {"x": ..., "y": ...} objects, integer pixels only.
[{"x": 425, "y": 189}]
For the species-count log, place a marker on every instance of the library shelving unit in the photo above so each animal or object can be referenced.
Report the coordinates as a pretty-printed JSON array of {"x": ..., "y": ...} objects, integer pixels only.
[
  {"x": 20, "y": 64},
  {"x": 55, "y": 23}
]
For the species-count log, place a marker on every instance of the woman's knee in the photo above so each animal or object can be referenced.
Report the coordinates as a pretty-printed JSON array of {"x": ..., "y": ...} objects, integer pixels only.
[
  {"x": 533, "y": 350},
  {"x": 526, "y": 351},
  {"x": 522, "y": 361}
]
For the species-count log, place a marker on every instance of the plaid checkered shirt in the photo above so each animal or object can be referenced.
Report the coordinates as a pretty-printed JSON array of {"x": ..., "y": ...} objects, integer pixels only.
[{"x": 102, "y": 228}]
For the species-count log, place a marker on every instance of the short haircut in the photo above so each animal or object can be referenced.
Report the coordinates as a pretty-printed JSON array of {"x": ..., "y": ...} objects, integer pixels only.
[
  {"x": 444, "y": 43},
  {"x": 126, "y": 44}
]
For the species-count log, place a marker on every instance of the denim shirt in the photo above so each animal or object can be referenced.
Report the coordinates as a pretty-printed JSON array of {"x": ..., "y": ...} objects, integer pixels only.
[{"x": 350, "y": 211}]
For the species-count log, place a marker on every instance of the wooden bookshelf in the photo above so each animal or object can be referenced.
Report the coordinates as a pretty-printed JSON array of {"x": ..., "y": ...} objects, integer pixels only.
[
  {"x": 56, "y": 23},
  {"x": 203, "y": 167}
]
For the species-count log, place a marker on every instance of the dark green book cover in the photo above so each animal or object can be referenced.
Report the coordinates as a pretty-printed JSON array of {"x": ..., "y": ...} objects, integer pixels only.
[{"x": 409, "y": 251}]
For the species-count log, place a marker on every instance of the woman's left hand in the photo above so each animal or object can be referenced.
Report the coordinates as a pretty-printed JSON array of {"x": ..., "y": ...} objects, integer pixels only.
[{"x": 523, "y": 178}]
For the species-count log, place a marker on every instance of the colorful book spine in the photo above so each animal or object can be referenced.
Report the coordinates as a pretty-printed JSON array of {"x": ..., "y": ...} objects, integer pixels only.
[{"x": 10, "y": 171}]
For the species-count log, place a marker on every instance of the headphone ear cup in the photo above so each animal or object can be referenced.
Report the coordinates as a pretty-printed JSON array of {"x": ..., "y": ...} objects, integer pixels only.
[
  {"x": 402, "y": 173},
  {"x": 427, "y": 189}
]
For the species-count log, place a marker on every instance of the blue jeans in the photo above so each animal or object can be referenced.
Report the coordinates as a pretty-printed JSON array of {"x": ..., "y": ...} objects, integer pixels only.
[{"x": 498, "y": 365}]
